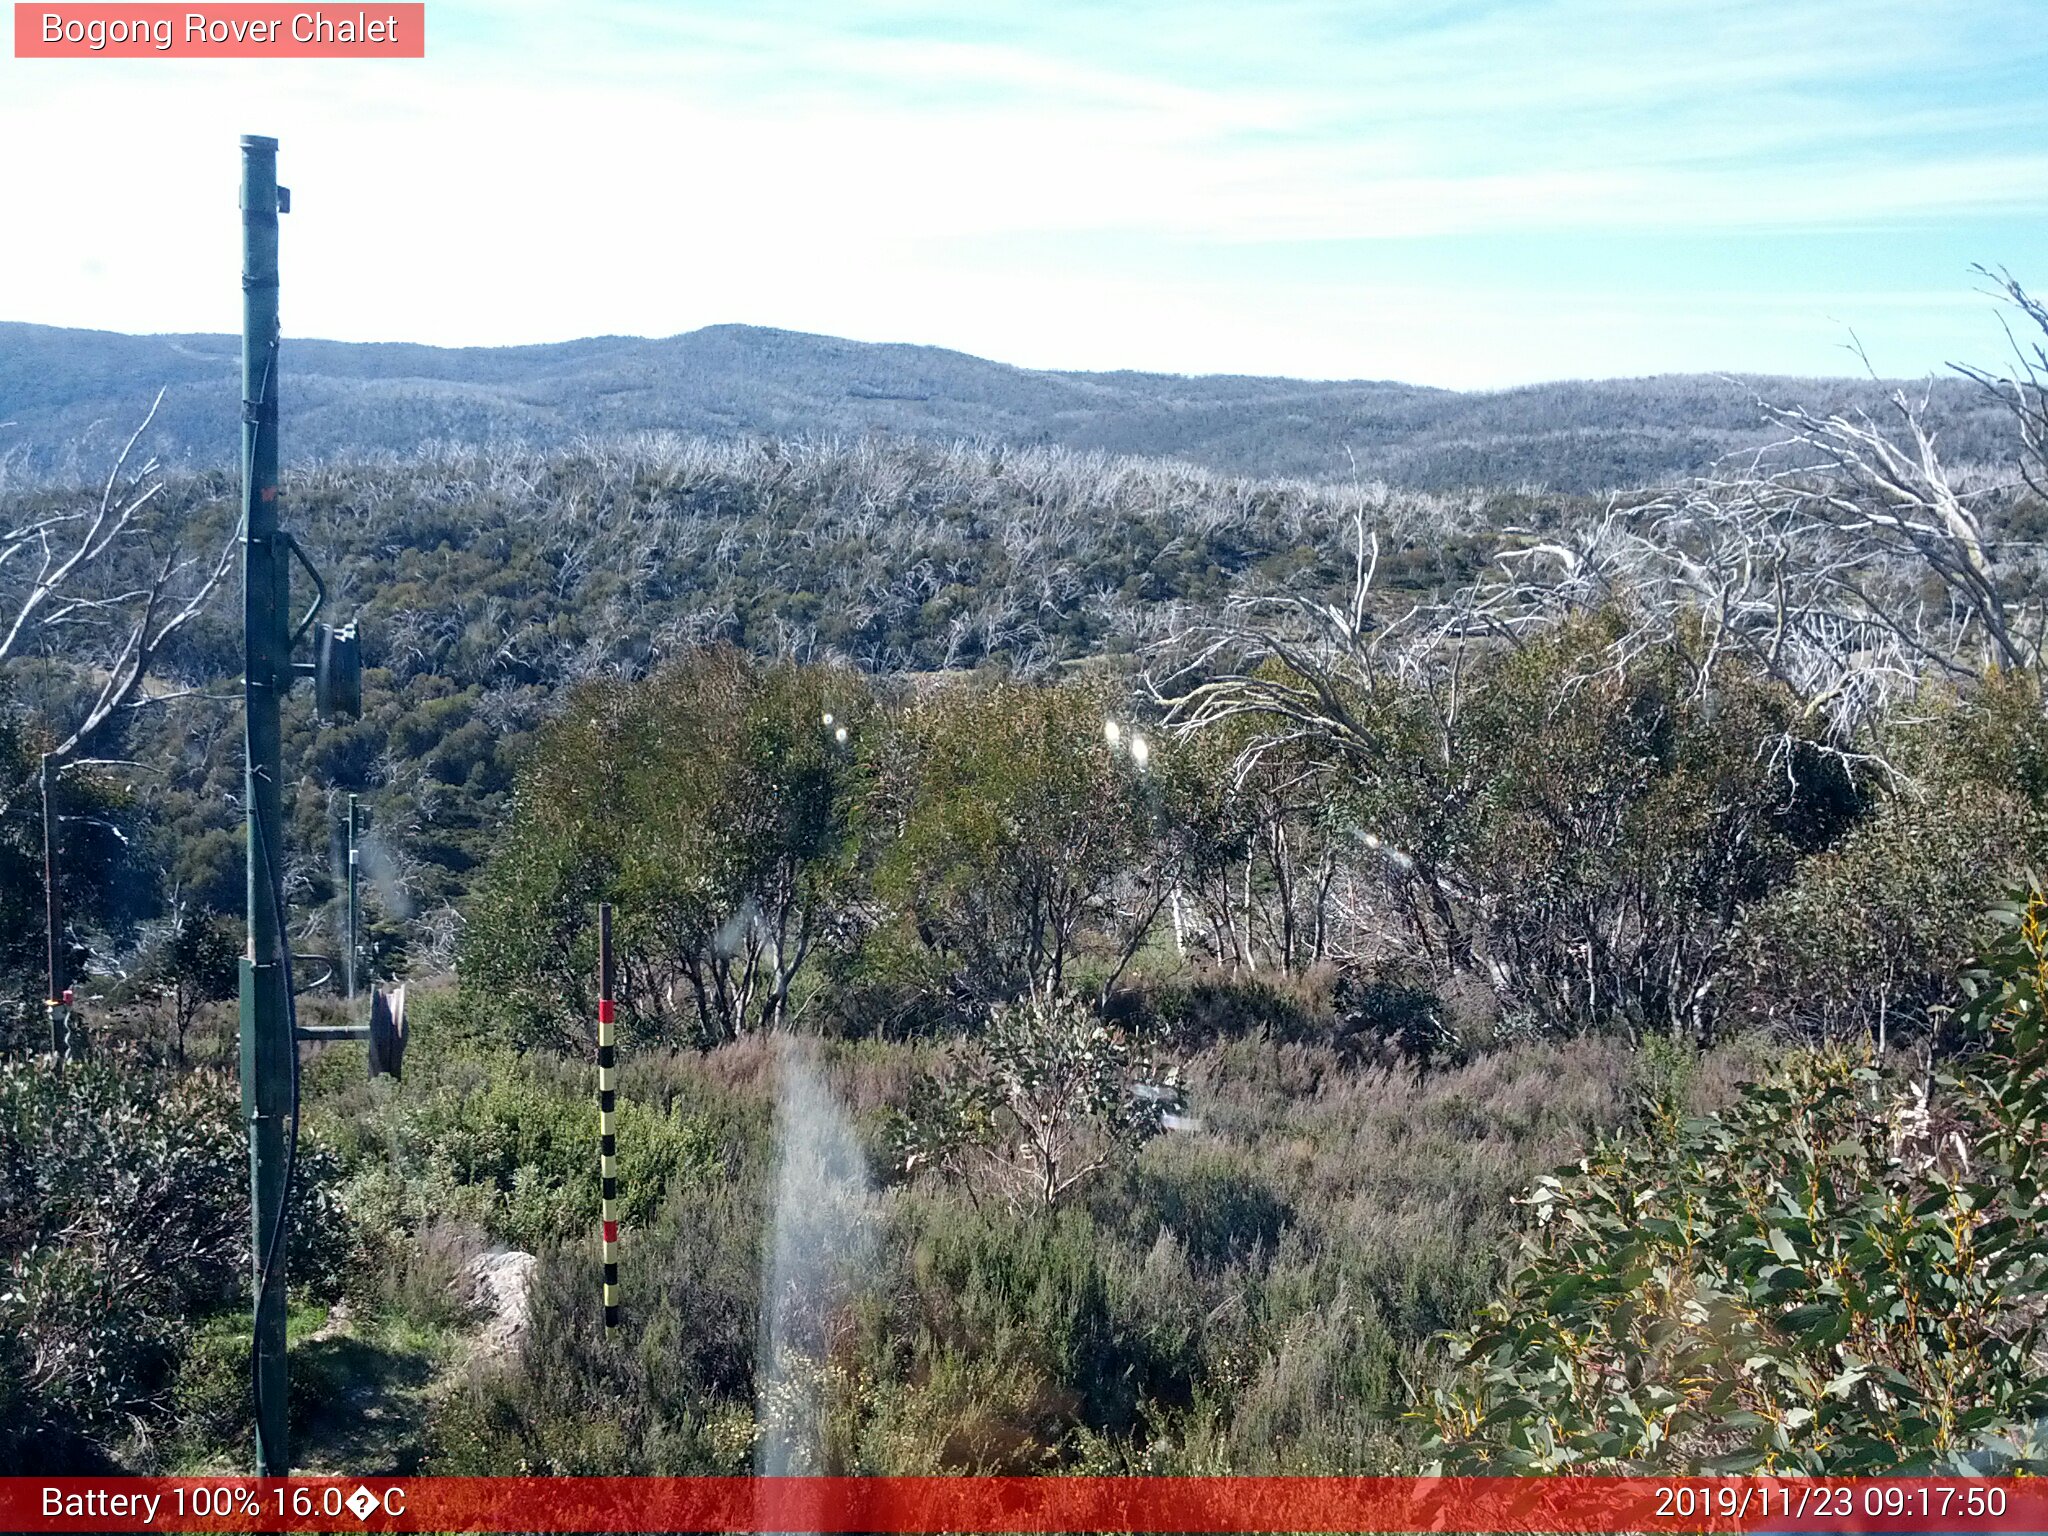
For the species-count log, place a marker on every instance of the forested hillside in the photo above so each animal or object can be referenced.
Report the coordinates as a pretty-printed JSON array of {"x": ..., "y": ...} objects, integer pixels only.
[
  {"x": 1123, "y": 967},
  {"x": 488, "y": 584},
  {"x": 66, "y": 397}
]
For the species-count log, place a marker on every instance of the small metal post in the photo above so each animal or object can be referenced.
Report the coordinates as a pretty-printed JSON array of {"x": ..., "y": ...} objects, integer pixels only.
[
  {"x": 607, "y": 1135},
  {"x": 60, "y": 1032},
  {"x": 349, "y": 970}
]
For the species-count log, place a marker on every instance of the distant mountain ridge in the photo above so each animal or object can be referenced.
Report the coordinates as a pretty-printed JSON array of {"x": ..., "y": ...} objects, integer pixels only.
[{"x": 68, "y": 397}]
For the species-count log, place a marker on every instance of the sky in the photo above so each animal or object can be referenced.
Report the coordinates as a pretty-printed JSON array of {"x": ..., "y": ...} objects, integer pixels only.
[{"x": 1463, "y": 194}]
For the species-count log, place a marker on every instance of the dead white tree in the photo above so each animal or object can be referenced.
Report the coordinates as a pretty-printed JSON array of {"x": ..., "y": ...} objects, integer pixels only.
[
  {"x": 105, "y": 587},
  {"x": 1847, "y": 562},
  {"x": 1350, "y": 683},
  {"x": 2024, "y": 389},
  {"x": 1330, "y": 657},
  {"x": 1899, "y": 517},
  {"x": 100, "y": 589}
]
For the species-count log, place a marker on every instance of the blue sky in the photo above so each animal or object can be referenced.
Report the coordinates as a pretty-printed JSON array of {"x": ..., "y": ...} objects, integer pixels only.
[{"x": 1448, "y": 193}]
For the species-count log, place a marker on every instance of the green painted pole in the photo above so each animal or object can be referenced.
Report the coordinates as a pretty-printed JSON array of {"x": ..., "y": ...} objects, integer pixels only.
[
  {"x": 53, "y": 920},
  {"x": 352, "y": 864},
  {"x": 267, "y": 1044}
]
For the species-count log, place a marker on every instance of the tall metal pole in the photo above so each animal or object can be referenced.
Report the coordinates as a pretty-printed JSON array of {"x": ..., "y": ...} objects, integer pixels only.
[
  {"x": 267, "y": 1045},
  {"x": 350, "y": 968}
]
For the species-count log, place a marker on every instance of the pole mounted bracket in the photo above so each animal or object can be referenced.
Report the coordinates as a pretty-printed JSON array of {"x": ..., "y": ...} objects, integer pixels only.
[
  {"x": 298, "y": 553},
  {"x": 386, "y": 1032},
  {"x": 337, "y": 664}
]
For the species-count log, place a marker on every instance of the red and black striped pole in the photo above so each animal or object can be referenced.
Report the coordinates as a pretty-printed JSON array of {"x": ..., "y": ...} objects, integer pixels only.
[{"x": 607, "y": 1130}]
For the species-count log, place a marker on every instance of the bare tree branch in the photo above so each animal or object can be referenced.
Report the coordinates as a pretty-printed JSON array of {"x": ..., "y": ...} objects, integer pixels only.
[{"x": 66, "y": 601}]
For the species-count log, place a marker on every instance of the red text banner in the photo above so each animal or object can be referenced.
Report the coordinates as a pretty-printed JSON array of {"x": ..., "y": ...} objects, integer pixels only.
[
  {"x": 239, "y": 31},
  {"x": 1038, "y": 1504}
]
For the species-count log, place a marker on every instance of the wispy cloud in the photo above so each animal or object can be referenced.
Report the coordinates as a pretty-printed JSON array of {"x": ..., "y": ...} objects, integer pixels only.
[{"x": 984, "y": 176}]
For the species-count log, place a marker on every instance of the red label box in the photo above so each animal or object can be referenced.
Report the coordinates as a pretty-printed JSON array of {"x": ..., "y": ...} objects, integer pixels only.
[
  {"x": 261, "y": 31},
  {"x": 918, "y": 1506}
]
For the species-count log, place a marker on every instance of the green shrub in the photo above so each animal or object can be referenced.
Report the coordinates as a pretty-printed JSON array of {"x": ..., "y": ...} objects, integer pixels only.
[
  {"x": 124, "y": 1213},
  {"x": 1868, "y": 940},
  {"x": 1196, "y": 1010},
  {"x": 1398, "y": 1015},
  {"x": 213, "y": 1408},
  {"x": 1834, "y": 1276},
  {"x": 713, "y": 803},
  {"x": 1212, "y": 1196},
  {"x": 1014, "y": 843},
  {"x": 508, "y": 1144},
  {"x": 1035, "y": 1281},
  {"x": 1277, "y": 1273},
  {"x": 416, "y": 1278},
  {"x": 659, "y": 1400},
  {"x": 1043, "y": 1100}
]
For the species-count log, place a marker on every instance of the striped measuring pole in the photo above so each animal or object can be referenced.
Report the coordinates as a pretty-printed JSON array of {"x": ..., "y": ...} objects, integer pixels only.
[{"x": 607, "y": 1127}]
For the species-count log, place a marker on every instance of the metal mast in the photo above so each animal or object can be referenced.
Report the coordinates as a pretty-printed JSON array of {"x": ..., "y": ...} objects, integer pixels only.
[
  {"x": 268, "y": 1050},
  {"x": 270, "y": 1030}
]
